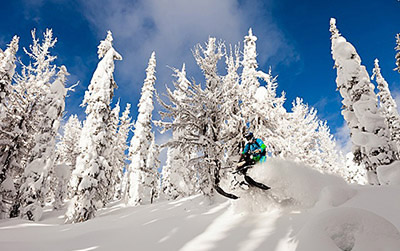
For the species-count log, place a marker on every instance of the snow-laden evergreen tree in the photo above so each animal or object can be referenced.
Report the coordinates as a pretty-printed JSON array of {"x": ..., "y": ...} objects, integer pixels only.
[
  {"x": 68, "y": 146},
  {"x": 59, "y": 184},
  {"x": 308, "y": 139},
  {"x": 329, "y": 158},
  {"x": 140, "y": 186},
  {"x": 398, "y": 52},
  {"x": 8, "y": 165},
  {"x": 67, "y": 151},
  {"x": 153, "y": 163},
  {"x": 90, "y": 176},
  {"x": 178, "y": 180},
  {"x": 249, "y": 81},
  {"x": 39, "y": 169},
  {"x": 36, "y": 107},
  {"x": 368, "y": 130},
  {"x": 112, "y": 175},
  {"x": 388, "y": 105},
  {"x": 121, "y": 146},
  {"x": 7, "y": 70},
  {"x": 178, "y": 175},
  {"x": 301, "y": 134},
  {"x": 261, "y": 108}
]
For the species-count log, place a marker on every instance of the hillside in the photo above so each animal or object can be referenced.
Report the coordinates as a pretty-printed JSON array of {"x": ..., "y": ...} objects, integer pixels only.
[{"x": 305, "y": 210}]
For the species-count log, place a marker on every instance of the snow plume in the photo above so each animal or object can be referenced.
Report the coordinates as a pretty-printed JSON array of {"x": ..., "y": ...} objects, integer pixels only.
[
  {"x": 292, "y": 185},
  {"x": 368, "y": 130}
]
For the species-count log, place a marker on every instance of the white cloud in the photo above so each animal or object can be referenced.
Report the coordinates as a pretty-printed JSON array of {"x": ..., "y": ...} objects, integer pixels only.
[
  {"x": 342, "y": 136},
  {"x": 396, "y": 96},
  {"x": 173, "y": 27}
]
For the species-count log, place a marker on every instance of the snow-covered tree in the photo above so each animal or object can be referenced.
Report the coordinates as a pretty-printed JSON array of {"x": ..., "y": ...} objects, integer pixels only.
[
  {"x": 119, "y": 130},
  {"x": 112, "y": 174},
  {"x": 353, "y": 172},
  {"x": 178, "y": 179},
  {"x": 153, "y": 163},
  {"x": 34, "y": 111},
  {"x": 39, "y": 169},
  {"x": 329, "y": 158},
  {"x": 201, "y": 117},
  {"x": 121, "y": 146},
  {"x": 300, "y": 133},
  {"x": 7, "y": 70},
  {"x": 178, "y": 174},
  {"x": 368, "y": 130},
  {"x": 398, "y": 52},
  {"x": 68, "y": 146},
  {"x": 249, "y": 81},
  {"x": 234, "y": 125},
  {"x": 59, "y": 184},
  {"x": 90, "y": 178},
  {"x": 7, "y": 151},
  {"x": 388, "y": 105},
  {"x": 260, "y": 107},
  {"x": 308, "y": 139},
  {"x": 67, "y": 151},
  {"x": 140, "y": 186}
]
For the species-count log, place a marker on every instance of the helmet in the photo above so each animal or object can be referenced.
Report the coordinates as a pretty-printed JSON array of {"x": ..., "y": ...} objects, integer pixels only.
[{"x": 249, "y": 136}]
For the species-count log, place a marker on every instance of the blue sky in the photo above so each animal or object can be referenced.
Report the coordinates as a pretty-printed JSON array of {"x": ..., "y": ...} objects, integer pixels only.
[{"x": 293, "y": 38}]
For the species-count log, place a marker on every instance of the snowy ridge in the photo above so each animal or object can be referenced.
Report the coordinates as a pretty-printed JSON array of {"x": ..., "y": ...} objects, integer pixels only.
[{"x": 325, "y": 214}]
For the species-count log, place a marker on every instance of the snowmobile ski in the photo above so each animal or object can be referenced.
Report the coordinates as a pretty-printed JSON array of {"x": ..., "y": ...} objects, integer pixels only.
[
  {"x": 243, "y": 171},
  {"x": 223, "y": 193},
  {"x": 252, "y": 182}
]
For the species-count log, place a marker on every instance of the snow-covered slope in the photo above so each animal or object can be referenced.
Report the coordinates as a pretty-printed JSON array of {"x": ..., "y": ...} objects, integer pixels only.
[{"x": 305, "y": 210}]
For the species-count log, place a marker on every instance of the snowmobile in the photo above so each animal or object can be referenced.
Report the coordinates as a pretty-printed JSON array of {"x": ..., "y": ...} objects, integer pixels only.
[{"x": 245, "y": 163}]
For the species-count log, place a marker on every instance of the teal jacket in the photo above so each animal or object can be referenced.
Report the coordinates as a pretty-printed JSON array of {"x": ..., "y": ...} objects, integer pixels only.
[{"x": 252, "y": 146}]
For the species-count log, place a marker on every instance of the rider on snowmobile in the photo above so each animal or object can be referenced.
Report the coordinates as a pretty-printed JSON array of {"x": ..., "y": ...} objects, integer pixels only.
[{"x": 254, "y": 150}]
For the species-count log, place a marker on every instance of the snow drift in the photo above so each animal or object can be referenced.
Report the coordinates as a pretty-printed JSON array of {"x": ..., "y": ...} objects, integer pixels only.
[{"x": 348, "y": 229}]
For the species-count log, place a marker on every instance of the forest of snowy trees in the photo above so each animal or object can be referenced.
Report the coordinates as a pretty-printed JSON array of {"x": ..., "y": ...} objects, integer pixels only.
[{"x": 85, "y": 165}]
